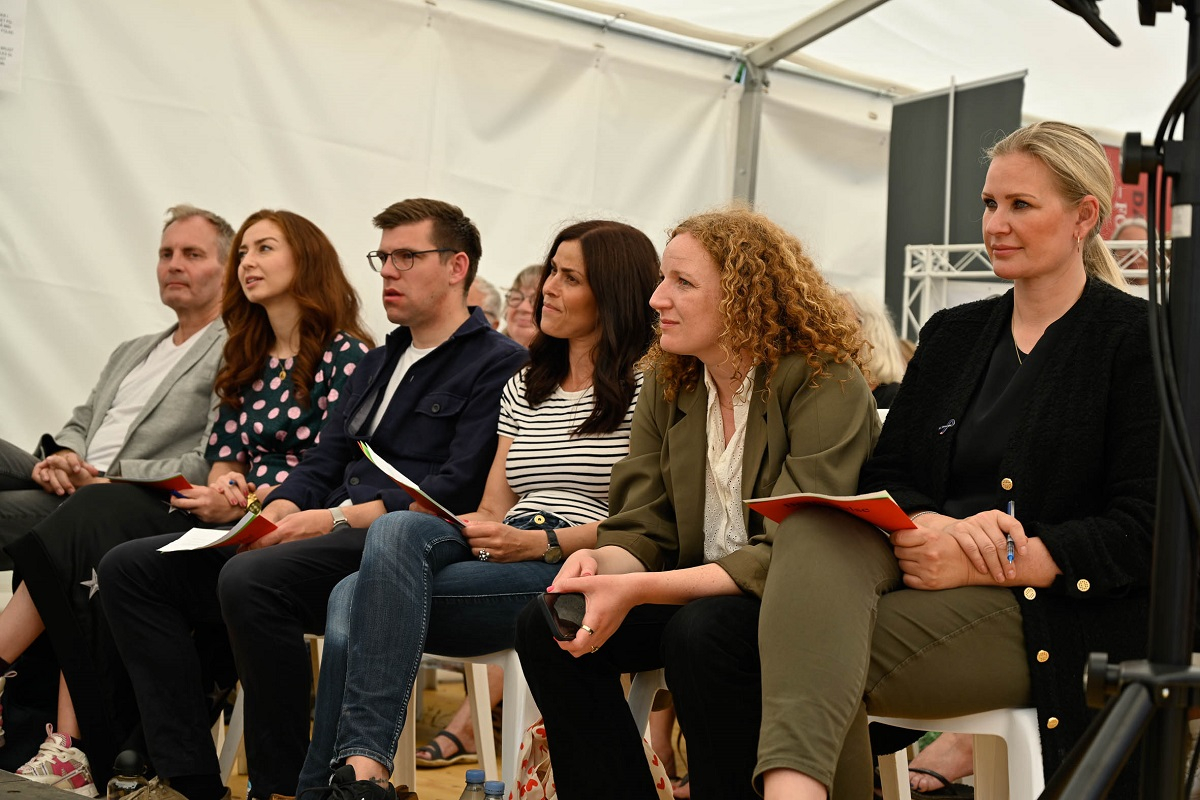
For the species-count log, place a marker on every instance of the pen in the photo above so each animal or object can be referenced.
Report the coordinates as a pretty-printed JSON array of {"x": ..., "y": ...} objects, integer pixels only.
[
  {"x": 178, "y": 494},
  {"x": 1011, "y": 547}
]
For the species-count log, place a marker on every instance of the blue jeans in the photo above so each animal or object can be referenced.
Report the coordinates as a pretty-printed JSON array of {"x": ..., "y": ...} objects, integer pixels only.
[{"x": 418, "y": 589}]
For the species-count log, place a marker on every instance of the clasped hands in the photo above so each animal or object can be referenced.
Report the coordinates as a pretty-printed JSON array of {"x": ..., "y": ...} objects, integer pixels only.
[
  {"x": 944, "y": 553},
  {"x": 63, "y": 472},
  {"x": 223, "y": 500}
]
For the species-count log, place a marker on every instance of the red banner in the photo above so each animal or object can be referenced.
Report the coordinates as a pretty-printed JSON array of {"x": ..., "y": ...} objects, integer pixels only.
[{"x": 1129, "y": 199}]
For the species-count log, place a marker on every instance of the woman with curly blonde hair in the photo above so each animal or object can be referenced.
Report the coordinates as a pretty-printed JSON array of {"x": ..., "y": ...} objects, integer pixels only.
[{"x": 753, "y": 388}]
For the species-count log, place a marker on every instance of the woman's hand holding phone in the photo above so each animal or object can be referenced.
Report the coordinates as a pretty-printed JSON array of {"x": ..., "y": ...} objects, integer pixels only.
[{"x": 608, "y": 599}]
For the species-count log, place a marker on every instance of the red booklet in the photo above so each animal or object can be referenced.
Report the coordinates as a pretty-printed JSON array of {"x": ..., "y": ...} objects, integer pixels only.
[
  {"x": 877, "y": 508},
  {"x": 249, "y": 528},
  {"x": 175, "y": 483}
]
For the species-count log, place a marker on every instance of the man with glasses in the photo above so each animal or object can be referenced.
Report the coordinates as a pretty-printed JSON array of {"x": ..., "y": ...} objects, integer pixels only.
[
  {"x": 149, "y": 410},
  {"x": 428, "y": 402}
]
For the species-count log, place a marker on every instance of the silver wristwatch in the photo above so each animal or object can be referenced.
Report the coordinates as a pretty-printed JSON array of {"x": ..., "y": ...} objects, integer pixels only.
[{"x": 339, "y": 519}]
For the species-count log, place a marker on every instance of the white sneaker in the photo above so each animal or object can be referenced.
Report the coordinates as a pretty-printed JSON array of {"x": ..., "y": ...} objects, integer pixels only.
[{"x": 60, "y": 765}]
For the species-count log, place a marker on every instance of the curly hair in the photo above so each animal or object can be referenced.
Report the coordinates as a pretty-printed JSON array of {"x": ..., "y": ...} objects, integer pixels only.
[
  {"x": 774, "y": 302},
  {"x": 328, "y": 304}
]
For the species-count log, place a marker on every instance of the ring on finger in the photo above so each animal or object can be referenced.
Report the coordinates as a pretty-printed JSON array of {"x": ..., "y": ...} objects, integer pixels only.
[
  {"x": 595, "y": 649},
  {"x": 588, "y": 629},
  {"x": 484, "y": 555}
]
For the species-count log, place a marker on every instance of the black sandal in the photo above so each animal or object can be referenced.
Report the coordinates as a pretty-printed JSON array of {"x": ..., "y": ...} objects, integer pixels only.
[
  {"x": 947, "y": 791},
  {"x": 438, "y": 759}
]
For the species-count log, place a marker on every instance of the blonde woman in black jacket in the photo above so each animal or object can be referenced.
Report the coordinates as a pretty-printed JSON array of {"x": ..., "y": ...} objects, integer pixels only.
[{"x": 1041, "y": 399}]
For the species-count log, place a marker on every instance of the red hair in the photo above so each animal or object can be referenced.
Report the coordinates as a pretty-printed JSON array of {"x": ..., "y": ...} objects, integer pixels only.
[{"x": 328, "y": 304}]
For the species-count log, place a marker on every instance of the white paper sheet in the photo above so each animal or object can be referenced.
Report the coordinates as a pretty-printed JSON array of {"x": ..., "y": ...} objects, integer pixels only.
[{"x": 12, "y": 43}]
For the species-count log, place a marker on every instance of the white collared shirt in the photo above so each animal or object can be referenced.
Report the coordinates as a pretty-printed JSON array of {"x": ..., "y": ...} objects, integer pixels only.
[{"x": 724, "y": 522}]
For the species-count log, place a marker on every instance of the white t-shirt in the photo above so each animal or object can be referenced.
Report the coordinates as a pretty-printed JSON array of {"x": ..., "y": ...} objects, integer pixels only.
[
  {"x": 550, "y": 468},
  {"x": 131, "y": 398},
  {"x": 409, "y": 357}
]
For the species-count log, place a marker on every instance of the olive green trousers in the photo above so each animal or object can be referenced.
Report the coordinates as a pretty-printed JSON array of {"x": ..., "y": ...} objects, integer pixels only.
[{"x": 840, "y": 638}]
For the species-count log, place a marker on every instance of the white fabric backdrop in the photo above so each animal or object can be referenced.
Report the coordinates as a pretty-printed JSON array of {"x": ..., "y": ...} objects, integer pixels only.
[{"x": 336, "y": 108}]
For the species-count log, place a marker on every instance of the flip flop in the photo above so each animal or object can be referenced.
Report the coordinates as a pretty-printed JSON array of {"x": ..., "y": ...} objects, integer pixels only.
[
  {"x": 438, "y": 759},
  {"x": 947, "y": 791},
  {"x": 679, "y": 783}
]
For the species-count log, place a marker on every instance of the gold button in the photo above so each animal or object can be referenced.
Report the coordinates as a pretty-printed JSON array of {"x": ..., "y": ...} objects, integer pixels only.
[
  {"x": 1006, "y": 484},
  {"x": 539, "y": 519},
  {"x": 1052, "y": 723},
  {"x": 1030, "y": 593},
  {"x": 1083, "y": 584},
  {"x": 1043, "y": 656}
]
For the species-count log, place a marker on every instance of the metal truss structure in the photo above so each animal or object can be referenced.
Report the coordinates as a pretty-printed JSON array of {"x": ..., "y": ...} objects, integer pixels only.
[{"x": 930, "y": 268}]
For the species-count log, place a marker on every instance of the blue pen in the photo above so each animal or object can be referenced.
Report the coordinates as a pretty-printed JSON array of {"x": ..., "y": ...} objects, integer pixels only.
[
  {"x": 1012, "y": 548},
  {"x": 178, "y": 494}
]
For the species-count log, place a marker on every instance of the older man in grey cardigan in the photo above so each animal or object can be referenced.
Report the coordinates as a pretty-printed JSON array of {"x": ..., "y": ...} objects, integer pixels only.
[{"x": 149, "y": 411}]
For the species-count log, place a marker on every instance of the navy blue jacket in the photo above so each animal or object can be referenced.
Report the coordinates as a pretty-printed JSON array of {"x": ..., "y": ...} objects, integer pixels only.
[{"x": 439, "y": 429}]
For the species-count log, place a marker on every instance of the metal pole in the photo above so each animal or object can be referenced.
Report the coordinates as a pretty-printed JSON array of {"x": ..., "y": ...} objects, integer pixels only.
[
  {"x": 745, "y": 171},
  {"x": 949, "y": 160},
  {"x": 1172, "y": 608}
]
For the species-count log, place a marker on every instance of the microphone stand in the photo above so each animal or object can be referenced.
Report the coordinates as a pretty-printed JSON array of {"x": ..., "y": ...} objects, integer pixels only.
[{"x": 1150, "y": 698}]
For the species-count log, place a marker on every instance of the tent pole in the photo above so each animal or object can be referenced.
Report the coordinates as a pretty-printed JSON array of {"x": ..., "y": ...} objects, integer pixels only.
[
  {"x": 808, "y": 30},
  {"x": 757, "y": 60},
  {"x": 949, "y": 160},
  {"x": 745, "y": 171}
]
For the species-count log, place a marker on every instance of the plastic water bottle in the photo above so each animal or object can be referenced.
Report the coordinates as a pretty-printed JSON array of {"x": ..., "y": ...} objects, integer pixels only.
[
  {"x": 493, "y": 790},
  {"x": 129, "y": 774},
  {"x": 474, "y": 790}
]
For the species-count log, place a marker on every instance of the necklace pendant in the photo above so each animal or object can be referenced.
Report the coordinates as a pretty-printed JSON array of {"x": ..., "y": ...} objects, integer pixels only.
[{"x": 282, "y": 373}]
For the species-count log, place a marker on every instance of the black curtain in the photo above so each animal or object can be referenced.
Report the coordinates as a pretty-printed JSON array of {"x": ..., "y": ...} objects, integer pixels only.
[{"x": 917, "y": 170}]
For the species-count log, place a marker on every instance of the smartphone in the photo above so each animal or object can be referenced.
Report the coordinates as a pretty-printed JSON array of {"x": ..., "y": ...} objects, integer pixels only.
[{"x": 564, "y": 613}]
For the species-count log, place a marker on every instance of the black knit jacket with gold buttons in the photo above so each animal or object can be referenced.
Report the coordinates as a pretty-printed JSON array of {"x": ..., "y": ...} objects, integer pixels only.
[{"x": 1081, "y": 466}]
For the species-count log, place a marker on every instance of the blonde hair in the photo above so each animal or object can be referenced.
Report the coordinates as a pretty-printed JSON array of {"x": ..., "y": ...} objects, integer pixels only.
[
  {"x": 774, "y": 302},
  {"x": 884, "y": 359},
  {"x": 1080, "y": 168}
]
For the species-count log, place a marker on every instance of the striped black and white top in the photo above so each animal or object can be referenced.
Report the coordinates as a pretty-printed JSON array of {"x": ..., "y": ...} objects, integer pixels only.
[{"x": 548, "y": 467}]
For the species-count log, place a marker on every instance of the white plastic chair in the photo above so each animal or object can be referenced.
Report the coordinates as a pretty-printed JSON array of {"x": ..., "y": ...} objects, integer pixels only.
[
  {"x": 6, "y": 591},
  {"x": 641, "y": 697},
  {"x": 519, "y": 713},
  {"x": 231, "y": 751},
  {"x": 1017, "y": 727},
  {"x": 229, "y": 742}
]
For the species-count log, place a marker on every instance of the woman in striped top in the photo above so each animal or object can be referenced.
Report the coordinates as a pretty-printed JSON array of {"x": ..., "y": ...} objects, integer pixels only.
[{"x": 424, "y": 584}]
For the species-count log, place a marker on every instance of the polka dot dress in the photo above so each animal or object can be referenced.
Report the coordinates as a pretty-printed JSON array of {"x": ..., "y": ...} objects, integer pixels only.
[{"x": 271, "y": 431}]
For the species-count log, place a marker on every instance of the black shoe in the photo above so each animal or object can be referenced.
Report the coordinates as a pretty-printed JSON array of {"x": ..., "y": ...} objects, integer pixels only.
[{"x": 344, "y": 786}]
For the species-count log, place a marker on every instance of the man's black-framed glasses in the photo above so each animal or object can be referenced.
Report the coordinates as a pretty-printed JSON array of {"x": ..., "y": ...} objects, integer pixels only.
[{"x": 402, "y": 260}]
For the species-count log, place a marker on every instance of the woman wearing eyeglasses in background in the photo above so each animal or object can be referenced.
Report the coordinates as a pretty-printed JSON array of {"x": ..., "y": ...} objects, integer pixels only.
[
  {"x": 294, "y": 337},
  {"x": 519, "y": 322}
]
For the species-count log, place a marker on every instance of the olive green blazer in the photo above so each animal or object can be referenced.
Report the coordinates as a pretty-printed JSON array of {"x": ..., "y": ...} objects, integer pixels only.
[{"x": 799, "y": 438}]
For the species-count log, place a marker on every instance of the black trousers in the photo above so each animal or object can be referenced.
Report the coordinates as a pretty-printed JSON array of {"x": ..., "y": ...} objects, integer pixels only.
[
  {"x": 255, "y": 605},
  {"x": 709, "y": 649},
  {"x": 57, "y": 561}
]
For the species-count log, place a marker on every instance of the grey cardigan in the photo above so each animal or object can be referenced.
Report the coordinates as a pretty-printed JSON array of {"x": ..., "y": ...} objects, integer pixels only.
[{"x": 169, "y": 433}]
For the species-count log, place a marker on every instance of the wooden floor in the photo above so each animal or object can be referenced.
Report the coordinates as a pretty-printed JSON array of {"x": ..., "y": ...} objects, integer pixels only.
[
  {"x": 438, "y": 706},
  {"x": 432, "y": 784}
]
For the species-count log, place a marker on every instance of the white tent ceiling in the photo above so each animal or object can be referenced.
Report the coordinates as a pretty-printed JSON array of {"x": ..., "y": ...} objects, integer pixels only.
[{"x": 919, "y": 45}]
